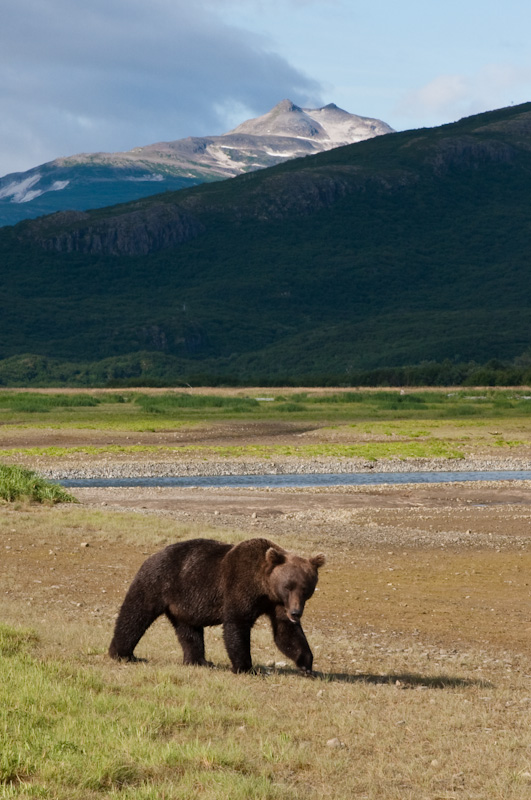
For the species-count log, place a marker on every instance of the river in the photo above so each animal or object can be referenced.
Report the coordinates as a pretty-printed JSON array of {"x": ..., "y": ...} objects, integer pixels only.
[{"x": 301, "y": 481}]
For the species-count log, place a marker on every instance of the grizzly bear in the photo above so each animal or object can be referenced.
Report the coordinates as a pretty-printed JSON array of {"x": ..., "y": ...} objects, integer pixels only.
[{"x": 201, "y": 582}]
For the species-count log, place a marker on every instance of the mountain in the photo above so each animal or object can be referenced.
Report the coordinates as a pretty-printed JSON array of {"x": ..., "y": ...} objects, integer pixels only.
[
  {"x": 95, "y": 180},
  {"x": 398, "y": 250}
]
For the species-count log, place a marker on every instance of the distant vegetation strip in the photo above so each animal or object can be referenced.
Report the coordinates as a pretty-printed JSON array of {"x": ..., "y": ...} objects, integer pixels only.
[
  {"x": 17, "y": 483},
  {"x": 518, "y": 398},
  {"x": 40, "y": 403},
  {"x": 149, "y": 412},
  {"x": 166, "y": 371},
  {"x": 359, "y": 424}
]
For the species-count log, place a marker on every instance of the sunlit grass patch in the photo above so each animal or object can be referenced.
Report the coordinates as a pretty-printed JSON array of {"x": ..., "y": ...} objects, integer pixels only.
[
  {"x": 89, "y": 450},
  {"x": 14, "y": 641},
  {"x": 17, "y": 483},
  {"x": 430, "y": 448},
  {"x": 67, "y": 732},
  {"x": 461, "y": 435}
]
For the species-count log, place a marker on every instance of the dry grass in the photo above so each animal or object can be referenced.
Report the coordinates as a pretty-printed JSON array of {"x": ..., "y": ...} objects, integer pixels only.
[{"x": 424, "y": 687}]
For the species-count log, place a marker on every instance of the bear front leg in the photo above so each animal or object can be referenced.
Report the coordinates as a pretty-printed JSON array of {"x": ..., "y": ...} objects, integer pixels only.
[
  {"x": 291, "y": 640},
  {"x": 237, "y": 637},
  {"x": 192, "y": 641}
]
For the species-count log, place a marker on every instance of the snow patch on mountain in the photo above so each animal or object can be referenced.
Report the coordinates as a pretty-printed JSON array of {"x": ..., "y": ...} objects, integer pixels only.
[
  {"x": 57, "y": 186},
  {"x": 20, "y": 191},
  {"x": 277, "y": 154}
]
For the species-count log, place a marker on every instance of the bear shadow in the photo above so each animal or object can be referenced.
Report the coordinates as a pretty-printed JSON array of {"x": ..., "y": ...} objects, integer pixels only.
[{"x": 402, "y": 680}]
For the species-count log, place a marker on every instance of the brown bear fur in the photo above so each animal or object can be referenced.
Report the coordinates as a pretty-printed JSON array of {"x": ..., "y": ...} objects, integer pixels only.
[{"x": 201, "y": 582}]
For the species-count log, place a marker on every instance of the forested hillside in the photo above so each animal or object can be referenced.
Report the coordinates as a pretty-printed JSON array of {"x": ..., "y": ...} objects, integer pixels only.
[{"x": 401, "y": 250}]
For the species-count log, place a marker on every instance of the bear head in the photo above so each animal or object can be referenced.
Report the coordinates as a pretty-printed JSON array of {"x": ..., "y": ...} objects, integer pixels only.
[{"x": 292, "y": 579}]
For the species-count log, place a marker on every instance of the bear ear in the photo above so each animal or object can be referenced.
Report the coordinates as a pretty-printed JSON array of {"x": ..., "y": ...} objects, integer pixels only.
[
  {"x": 318, "y": 560},
  {"x": 274, "y": 557}
]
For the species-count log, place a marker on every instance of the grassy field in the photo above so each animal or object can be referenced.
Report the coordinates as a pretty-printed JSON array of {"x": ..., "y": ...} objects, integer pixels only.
[
  {"x": 421, "y": 633},
  {"x": 135, "y": 409},
  {"x": 422, "y": 705},
  {"x": 366, "y": 424}
]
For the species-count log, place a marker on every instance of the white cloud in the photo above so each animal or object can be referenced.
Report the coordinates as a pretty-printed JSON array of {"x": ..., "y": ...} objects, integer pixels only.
[
  {"x": 113, "y": 74},
  {"x": 450, "y": 97},
  {"x": 440, "y": 95}
]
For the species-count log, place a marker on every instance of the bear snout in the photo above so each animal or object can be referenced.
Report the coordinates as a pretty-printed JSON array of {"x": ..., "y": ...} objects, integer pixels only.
[{"x": 294, "y": 614}]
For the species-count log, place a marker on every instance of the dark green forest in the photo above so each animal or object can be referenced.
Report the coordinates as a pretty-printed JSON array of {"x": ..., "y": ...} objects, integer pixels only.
[{"x": 404, "y": 259}]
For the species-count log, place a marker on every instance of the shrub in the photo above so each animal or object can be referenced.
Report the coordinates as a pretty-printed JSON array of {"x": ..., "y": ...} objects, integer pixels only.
[{"x": 17, "y": 483}]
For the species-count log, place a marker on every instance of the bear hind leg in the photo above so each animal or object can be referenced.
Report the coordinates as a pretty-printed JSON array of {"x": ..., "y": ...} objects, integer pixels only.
[
  {"x": 192, "y": 640},
  {"x": 131, "y": 625}
]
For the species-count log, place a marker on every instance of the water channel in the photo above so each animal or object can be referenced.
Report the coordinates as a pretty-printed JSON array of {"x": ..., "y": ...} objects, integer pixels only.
[{"x": 300, "y": 480}]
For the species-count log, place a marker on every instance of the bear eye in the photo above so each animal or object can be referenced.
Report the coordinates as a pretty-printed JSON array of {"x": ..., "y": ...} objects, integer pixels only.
[{"x": 290, "y": 587}]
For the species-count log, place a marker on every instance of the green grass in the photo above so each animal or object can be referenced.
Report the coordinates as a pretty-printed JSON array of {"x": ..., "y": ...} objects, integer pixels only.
[
  {"x": 141, "y": 411},
  {"x": 31, "y": 403},
  {"x": 173, "y": 403},
  {"x": 17, "y": 483},
  {"x": 363, "y": 424},
  {"x": 88, "y": 450},
  {"x": 69, "y": 732},
  {"x": 72, "y": 731},
  {"x": 431, "y": 448}
]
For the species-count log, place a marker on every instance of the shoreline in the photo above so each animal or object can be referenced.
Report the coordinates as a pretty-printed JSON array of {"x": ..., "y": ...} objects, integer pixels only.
[{"x": 112, "y": 468}]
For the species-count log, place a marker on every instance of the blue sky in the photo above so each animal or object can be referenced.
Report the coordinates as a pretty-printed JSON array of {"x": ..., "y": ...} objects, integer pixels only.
[
  {"x": 114, "y": 74},
  {"x": 413, "y": 63}
]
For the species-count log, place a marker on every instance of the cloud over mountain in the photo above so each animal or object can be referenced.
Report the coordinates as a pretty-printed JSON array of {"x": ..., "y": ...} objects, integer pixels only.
[{"x": 111, "y": 75}]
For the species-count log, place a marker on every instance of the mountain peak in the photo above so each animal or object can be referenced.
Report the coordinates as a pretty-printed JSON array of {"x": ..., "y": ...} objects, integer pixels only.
[
  {"x": 91, "y": 180},
  {"x": 284, "y": 119},
  {"x": 286, "y": 105},
  {"x": 329, "y": 125}
]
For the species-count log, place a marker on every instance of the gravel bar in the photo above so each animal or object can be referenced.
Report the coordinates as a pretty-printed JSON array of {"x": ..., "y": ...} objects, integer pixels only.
[{"x": 287, "y": 465}]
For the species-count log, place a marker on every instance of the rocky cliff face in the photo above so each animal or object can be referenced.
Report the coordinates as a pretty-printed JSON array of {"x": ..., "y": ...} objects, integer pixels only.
[
  {"x": 465, "y": 152},
  {"x": 134, "y": 233},
  {"x": 148, "y": 227}
]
